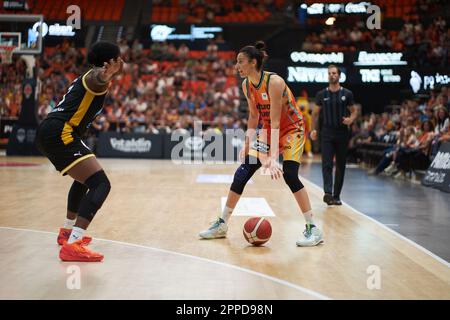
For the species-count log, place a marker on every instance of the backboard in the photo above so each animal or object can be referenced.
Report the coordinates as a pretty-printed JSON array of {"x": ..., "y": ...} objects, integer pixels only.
[{"x": 23, "y": 31}]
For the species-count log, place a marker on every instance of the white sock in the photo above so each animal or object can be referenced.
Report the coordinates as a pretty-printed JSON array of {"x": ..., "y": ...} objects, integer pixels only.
[
  {"x": 76, "y": 234},
  {"x": 226, "y": 214},
  {"x": 308, "y": 217},
  {"x": 69, "y": 223}
]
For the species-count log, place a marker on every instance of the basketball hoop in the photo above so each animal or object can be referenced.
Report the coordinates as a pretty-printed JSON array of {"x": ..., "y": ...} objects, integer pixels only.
[{"x": 6, "y": 53}]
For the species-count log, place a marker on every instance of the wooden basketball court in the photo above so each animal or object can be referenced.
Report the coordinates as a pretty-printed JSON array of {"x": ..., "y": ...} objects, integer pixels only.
[{"x": 148, "y": 230}]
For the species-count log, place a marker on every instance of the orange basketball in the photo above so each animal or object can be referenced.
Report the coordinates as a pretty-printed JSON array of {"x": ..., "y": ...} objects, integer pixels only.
[{"x": 257, "y": 231}]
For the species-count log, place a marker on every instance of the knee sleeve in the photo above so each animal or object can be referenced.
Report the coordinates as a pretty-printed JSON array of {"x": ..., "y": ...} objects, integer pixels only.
[
  {"x": 99, "y": 187},
  {"x": 290, "y": 175},
  {"x": 244, "y": 173},
  {"x": 76, "y": 193}
]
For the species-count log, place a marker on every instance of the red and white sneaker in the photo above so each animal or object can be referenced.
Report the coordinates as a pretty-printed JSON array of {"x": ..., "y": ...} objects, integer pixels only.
[{"x": 77, "y": 251}]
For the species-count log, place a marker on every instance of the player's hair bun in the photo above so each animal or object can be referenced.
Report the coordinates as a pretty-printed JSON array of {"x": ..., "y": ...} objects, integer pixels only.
[{"x": 260, "y": 45}]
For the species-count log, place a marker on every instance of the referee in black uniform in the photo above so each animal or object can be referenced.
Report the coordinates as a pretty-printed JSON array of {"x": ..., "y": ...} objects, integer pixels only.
[{"x": 337, "y": 112}]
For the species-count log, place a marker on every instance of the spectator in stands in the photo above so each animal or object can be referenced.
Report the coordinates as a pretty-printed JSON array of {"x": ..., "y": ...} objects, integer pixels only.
[
  {"x": 123, "y": 46},
  {"x": 445, "y": 137},
  {"x": 136, "y": 49},
  {"x": 164, "y": 48},
  {"x": 307, "y": 44},
  {"x": 183, "y": 51},
  {"x": 416, "y": 158},
  {"x": 100, "y": 124},
  {"x": 388, "y": 134},
  {"x": 380, "y": 42},
  {"x": 44, "y": 108},
  {"x": 442, "y": 102},
  {"x": 428, "y": 115},
  {"x": 440, "y": 130},
  {"x": 172, "y": 52},
  {"x": 433, "y": 98},
  {"x": 442, "y": 121},
  {"x": 395, "y": 116},
  {"x": 156, "y": 51},
  {"x": 210, "y": 14},
  {"x": 390, "y": 137},
  {"x": 406, "y": 140},
  {"x": 366, "y": 135},
  {"x": 356, "y": 35},
  {"x": 211, "y": 50},
  {"x": 437, "y": 55}
]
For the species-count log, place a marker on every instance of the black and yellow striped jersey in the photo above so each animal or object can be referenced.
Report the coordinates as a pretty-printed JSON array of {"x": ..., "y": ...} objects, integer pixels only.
[{"x": 79, "y": 107}]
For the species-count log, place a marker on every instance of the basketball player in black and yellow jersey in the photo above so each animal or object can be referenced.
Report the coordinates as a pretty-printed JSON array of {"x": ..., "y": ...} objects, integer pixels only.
[
  {"x": 59, "y": 139},
  {"x": 272, "y": 106}
]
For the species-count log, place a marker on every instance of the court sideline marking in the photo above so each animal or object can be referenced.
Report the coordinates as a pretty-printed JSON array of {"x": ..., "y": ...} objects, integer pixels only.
[
  {"x": 416, "y": 245},
  {"x": 255, "y": 273}
]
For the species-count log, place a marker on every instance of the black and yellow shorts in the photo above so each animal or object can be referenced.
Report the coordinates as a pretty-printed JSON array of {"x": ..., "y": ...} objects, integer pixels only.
[{"x": 58, "y": 141}]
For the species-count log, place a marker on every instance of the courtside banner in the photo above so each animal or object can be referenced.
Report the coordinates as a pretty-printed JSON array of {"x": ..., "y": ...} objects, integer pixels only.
[
  {"x": 130, "y": 145},
  {"x": 6, "y": 127},
  {"x": 21, "y": 141},
  {"x": 438, "y": 174}
]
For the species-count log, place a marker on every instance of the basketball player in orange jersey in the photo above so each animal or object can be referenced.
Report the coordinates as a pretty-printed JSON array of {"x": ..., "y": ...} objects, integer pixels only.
[
  {"x": 283, "y": 131},
  {"x": 59, "y": 139}
]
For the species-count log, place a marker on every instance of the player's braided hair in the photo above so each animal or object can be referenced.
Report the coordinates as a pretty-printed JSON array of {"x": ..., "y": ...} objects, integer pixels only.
[{"x": 257, "y": 52}]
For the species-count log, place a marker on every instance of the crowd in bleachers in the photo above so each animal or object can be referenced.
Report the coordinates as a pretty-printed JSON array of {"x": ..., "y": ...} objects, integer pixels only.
[
  {"x": 11, "y": 77},
  {"x": 407, "y": 137},
  {"x": 168, "y": 89},
  {"x": 204, "y": 11},
  {"x": 162, "y": 89},
  {"x": 426, "y": 45},
  {"x": 171, "y": 88}
]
